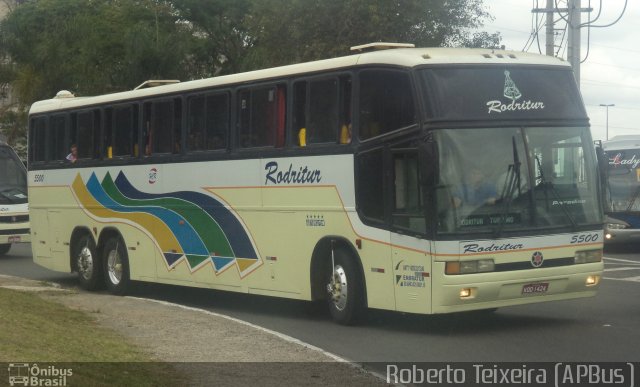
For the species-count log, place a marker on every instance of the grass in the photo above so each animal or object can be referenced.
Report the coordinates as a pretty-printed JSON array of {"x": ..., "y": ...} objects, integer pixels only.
[{"x": 33, "y": 330}]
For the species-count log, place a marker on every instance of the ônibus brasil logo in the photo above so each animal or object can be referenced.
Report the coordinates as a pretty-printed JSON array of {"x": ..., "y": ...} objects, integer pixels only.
[{"x": 512, "y": 92}]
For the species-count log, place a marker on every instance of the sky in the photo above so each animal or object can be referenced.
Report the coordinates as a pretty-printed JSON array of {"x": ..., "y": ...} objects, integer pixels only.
[{"x": 611, "y": 72}]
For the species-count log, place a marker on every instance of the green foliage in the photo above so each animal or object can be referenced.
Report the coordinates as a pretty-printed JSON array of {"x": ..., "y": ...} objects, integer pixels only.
[
  {"x": 290, "y": 31},
  {"x": 98, "y": 46},
  {"x": 93, "y": 47}
]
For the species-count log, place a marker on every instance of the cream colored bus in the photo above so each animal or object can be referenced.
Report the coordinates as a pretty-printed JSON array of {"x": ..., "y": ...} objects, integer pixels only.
[{"x": 353, "y": 180}]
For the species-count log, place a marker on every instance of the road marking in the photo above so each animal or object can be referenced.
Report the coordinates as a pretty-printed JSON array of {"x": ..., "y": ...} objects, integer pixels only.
[
  {"x": 630, "y": 279},
  {"x": 623, "y": 260},
  {"x": 622, "y": 268},
  {"x": 622, "y": 265}
]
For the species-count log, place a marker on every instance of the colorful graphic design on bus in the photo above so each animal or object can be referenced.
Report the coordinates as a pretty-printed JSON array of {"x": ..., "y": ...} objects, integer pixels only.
[{"x": 185, "y": 225}]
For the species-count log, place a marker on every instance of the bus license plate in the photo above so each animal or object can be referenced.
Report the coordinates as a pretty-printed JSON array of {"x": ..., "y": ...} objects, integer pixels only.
[
  {"x": 14, "y": 239},
  {"x": 537, "y": 288}
]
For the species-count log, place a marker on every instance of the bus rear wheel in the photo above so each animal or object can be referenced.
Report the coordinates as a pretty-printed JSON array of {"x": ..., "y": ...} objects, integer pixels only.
[
  {"x": 4, "y": 248},
  {"x": 345, "y": 289},
  {"x": 116, "y": 266},
  {"x": 87, "y": 263}
]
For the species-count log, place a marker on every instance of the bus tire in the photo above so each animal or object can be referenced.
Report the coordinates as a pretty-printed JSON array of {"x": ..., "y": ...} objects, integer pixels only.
[
  {"x": 4, "y": 248},
  {"x": 116, "y": 266},
  {"x": 345, "y": 286},
  {"x": 87, "y": 263}
]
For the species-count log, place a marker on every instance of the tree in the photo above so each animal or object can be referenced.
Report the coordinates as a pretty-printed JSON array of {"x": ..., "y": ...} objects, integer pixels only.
[
  {"x": 219, "y": 33},
  {"x": 92, "y": 47},
  {"x": 99, "y": 46},
  {"x": 290, "y": 31}
]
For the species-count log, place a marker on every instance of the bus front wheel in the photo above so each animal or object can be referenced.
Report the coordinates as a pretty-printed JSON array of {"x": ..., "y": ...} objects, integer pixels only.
[
  {"x": 87, "y": 263},
  {"x": 345, "y": 289},
  {"x": 116, "y": 266}
]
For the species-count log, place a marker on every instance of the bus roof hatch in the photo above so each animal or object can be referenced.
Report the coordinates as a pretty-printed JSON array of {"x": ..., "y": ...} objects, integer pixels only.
[
  {"x": 156, "y": 82},
  {"x": 381, "y": 46}
]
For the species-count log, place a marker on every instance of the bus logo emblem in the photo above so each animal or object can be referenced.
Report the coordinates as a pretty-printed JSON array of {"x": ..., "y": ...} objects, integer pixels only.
[
  {"x": 537, "y": 259},
  {"x": 510, "y": 89},
  {"x": 512, "y": 92},
  {"x": 153, "y": 175}
]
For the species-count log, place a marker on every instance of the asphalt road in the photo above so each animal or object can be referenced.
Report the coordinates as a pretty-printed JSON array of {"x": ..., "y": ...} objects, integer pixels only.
[{"x": 601, "y": 329}]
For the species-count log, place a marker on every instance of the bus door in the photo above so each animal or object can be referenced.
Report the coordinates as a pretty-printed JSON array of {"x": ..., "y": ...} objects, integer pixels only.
[{"x": 410, "y": 249}]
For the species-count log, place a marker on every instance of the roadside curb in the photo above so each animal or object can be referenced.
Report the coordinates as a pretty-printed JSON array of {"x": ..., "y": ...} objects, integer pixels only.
[{"x": 209, "y": 345}]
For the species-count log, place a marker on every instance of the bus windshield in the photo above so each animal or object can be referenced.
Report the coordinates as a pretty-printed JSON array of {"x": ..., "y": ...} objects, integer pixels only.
[
  {"x": 13, "y": 178},
  {"x": 623, "y": 178},
  {"x": 498, "y": 179}
]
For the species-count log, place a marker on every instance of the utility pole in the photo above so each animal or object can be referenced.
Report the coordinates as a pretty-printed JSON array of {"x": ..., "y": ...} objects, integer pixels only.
[
  {"x": 573, "y": 42},
  {"x": 573, "y": 19},
  {"x": 550, "y": 35}
]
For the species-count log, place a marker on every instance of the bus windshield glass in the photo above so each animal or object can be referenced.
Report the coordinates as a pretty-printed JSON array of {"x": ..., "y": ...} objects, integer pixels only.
[
  {"x": 509, "y": 179},
  {"x": 624, "y": 180},
  {"x": 13, "y": 178}
]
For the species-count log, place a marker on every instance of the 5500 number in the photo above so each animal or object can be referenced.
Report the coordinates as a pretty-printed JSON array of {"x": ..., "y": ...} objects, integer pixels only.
[{"x": 585, "y": 238}]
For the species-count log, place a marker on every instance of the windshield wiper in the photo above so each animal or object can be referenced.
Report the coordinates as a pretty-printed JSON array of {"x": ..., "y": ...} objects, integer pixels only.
[
  {"x": 554, "y": 192},
  {"x": 633, "y": 199},
  {"x": 510, "y": 184}
]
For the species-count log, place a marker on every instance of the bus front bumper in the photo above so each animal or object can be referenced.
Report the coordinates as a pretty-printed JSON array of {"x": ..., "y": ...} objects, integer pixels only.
[
  {"x": 14, "y": 233},
  {"x": 495, "y": 290}
]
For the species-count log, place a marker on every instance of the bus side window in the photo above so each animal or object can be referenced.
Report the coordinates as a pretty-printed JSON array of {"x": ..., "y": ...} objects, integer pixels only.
[
  {"x": 322, "y": 111},
  {"x": 84, "y": 130},
  {"x": 58, "y": 148},
  {"x": 386, "y": 102},
  {"x": 217, "y": 121},
  {"x": 37, "y": 139},
  {"x": 300, "y": 113},
  {"x": 370, "y": 185},
  {"x": 162, "y": 126},
  {"x": 408, "y": 208},
  {"x": 120, "y": 131},
  {"x": 262, "y": 116},
  {"x": 207, "y": 122}
]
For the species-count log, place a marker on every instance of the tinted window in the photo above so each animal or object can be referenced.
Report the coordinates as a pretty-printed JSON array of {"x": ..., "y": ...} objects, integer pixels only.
[
  {"x": 208, "y": 122},
  {"x": 262, "y": 116},
  {"x": 386, "y": 102}
]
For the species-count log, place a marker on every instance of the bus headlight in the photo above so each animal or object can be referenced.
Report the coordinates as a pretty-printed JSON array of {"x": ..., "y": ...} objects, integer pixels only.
[
  {"x": 616, "y": 226},
  {"x": 469, "y": 267},
  {"x": 588, "y": 256},
  {"x": 592, "y": 280}
]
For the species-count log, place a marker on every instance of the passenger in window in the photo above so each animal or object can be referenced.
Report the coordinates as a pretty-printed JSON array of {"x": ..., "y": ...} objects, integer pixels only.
[
  {"x": 73, "y": 156},
  {"x": 476, "y": 191}
]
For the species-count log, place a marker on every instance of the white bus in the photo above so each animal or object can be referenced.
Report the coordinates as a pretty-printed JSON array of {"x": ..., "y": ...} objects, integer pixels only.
[
  {"x": 622, "y": 193},
  {"x": 14, "y": 210},
  {"x": 339, "y": 179}
]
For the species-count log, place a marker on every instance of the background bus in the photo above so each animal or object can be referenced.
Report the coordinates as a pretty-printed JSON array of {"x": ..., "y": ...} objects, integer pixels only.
[
  {"x": 14, "y": 210},
  {"x": 622, "y": 193},
  {"x": 339, "y": 179}
]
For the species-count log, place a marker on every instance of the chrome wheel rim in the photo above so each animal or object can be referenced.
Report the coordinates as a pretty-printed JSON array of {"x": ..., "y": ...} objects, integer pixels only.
[
  {"x": 85, "y": 263},
  {"x": 337, "y": 288},
  {"x": 114, "y": 267}
]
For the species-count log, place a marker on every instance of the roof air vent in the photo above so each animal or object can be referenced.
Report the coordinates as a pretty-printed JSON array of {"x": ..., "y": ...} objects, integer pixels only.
[{"x": 64, "y": 94}]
